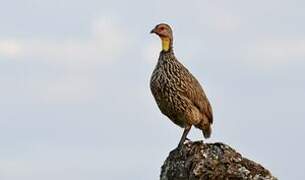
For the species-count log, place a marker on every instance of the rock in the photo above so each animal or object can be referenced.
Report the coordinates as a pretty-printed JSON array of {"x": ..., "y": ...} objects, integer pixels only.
[{"x": 211, "y": 161}]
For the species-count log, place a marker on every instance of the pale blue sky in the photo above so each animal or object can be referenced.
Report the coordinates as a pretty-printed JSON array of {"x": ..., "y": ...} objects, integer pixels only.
[{"x": 75, "y": 99}]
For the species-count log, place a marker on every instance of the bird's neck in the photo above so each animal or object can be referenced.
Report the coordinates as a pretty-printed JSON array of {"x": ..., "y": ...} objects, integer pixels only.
[
  {"x": 166, "y": 43},
  {"x": 166, "y": 56}
]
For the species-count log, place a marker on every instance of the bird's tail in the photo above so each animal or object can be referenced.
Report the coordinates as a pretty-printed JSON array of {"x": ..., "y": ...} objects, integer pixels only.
[{"x": 207, "y": 130}]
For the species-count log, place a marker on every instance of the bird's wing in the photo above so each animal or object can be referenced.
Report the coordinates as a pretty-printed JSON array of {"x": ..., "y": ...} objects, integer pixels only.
[
  {"x": 200, "y": 100},
  {"x": 195, "y": 93}
]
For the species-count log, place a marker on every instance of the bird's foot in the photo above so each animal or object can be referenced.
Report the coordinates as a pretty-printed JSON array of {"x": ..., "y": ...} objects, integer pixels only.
[
  {"x": 181, "y": 144},
  {"x": 187, "y": 140}
]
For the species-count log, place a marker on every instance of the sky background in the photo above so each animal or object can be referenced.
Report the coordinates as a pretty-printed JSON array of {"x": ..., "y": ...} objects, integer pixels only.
[{"x": 75, "y": 98}]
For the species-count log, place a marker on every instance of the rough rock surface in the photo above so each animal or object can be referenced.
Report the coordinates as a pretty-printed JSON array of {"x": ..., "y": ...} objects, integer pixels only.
[{"x": 215, "y": 161}]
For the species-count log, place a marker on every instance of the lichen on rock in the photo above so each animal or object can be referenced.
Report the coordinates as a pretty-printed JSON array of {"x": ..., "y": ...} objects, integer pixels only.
[{"x": 211, "y": 161}]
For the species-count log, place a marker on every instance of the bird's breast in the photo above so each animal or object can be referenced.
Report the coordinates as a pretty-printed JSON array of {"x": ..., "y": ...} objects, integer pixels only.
[{"x": 167, "y": 88}]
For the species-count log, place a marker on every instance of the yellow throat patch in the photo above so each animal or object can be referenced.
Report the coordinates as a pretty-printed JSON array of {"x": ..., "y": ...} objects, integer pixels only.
[{"x": 165, "y": 43}]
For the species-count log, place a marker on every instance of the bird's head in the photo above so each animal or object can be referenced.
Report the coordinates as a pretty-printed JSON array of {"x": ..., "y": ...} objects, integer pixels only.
[{"x": 164, "y": 31}]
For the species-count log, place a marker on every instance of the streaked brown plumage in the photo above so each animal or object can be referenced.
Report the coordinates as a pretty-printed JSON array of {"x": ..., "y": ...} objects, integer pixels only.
[{"x": 177, "y": 92}]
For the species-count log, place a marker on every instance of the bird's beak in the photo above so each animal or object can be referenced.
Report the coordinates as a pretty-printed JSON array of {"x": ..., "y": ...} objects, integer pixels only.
[{"x": 153, "y": 31}]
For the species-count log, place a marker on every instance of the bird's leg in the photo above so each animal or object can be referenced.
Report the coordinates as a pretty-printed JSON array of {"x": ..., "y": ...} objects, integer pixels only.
[{"x": 185, "y": 132}]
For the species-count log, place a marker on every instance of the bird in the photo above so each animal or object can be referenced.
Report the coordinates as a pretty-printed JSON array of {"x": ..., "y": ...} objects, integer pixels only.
[{"x": 176, "y": 91}]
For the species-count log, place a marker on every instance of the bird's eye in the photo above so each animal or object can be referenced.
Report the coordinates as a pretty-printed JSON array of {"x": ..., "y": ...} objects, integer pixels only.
[{"x": 162, "y": 28}]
